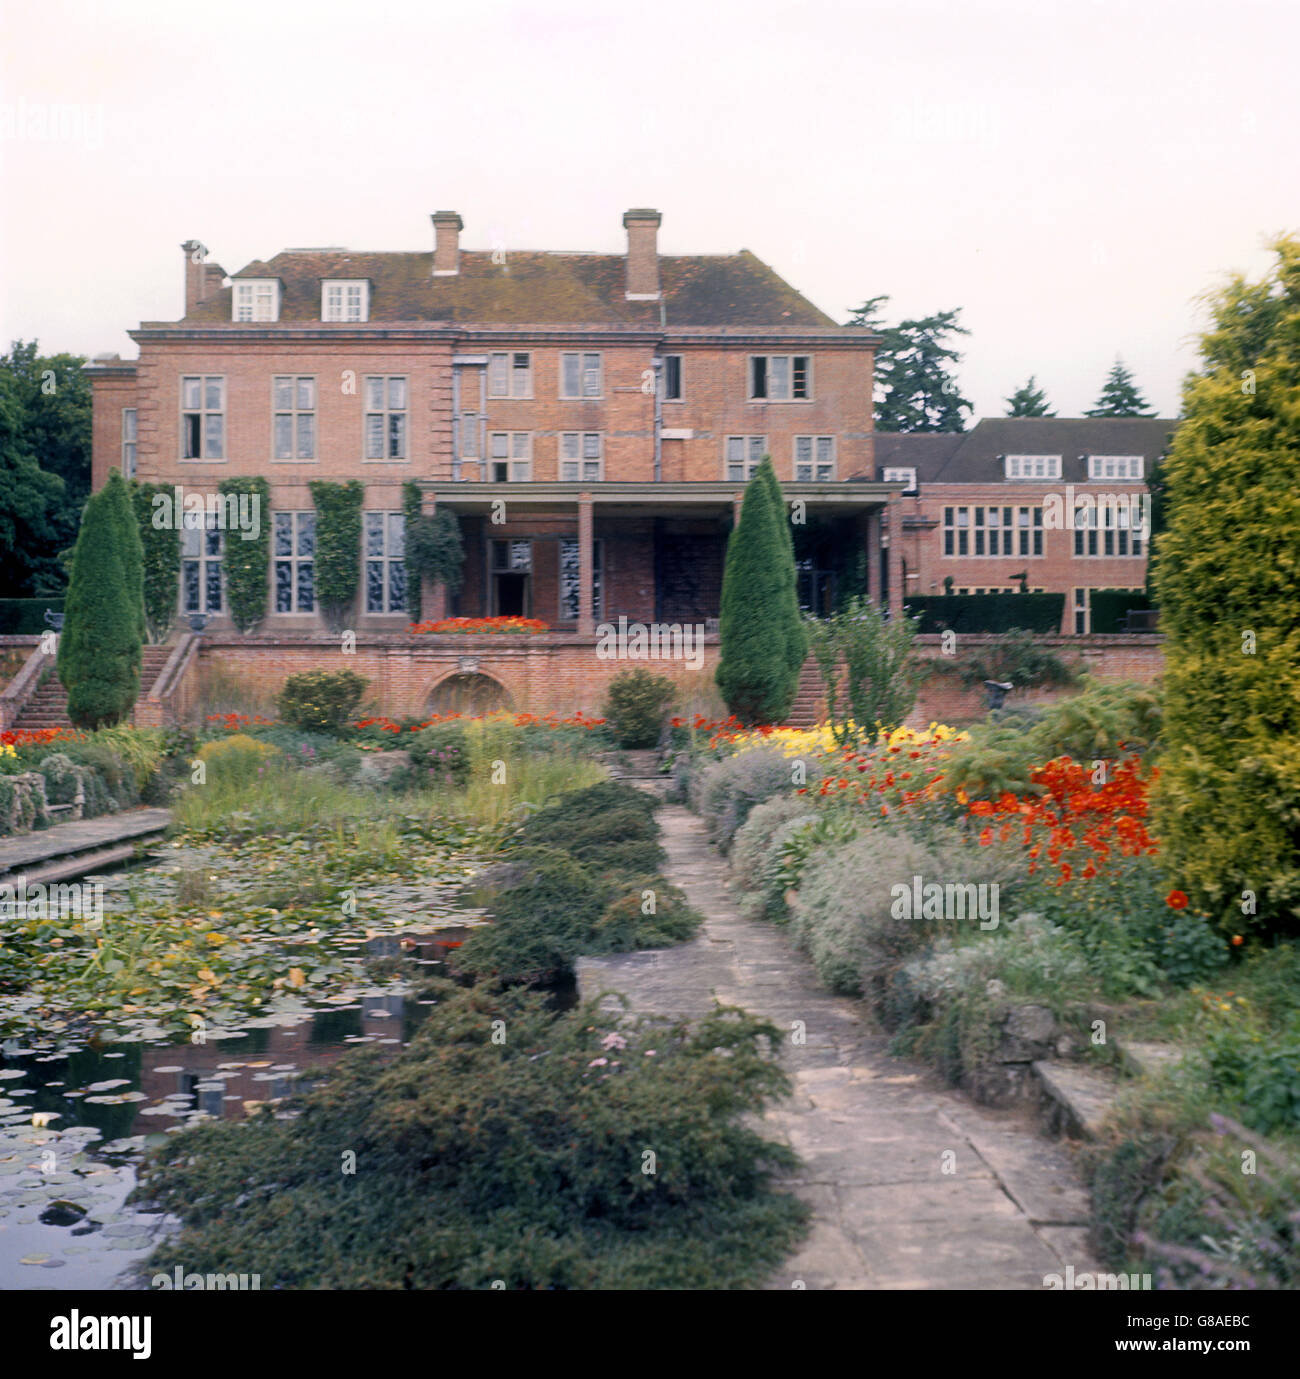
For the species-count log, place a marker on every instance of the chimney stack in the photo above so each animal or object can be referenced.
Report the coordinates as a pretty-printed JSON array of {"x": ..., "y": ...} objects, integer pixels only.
[
  {"x": 202, "y": 279},
  {"x": 642, "y": 227},
  {"x": 447, "y": 226}
]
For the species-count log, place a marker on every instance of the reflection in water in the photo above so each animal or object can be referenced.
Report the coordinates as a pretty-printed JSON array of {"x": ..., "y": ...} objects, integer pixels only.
[{"x": 74, "y": 1121}]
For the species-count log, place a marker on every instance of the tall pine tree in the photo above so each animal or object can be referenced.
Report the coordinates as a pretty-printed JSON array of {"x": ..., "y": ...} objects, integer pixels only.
[
  {"x": 1029, "y": 400},
  {"x": 916, "y": 385},
  {"x": 100, "y": 645},
  {"x": 1120, "y": 396},
  {"x": 796, "y": 636},
  {"x": 755, "y": 675}
]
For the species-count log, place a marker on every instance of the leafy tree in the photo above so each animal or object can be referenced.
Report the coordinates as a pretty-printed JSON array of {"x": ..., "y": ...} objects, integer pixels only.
[
  {"x": 162, "y": 561},
  {"x": 245, "y": 565},
  {"x": 1120, "y": 396},
  {"x": 30, "y": 501},
  {"x": 1227, "y": 802},
  {"x": 1028, "y": 400},
  {"x": 55, "y": 398},
  {"x": 754, "y": 673},
  {"x": 916, "y": 389},
  {"x": 99, "y": 647},
  {"x": 338, "y": 547},
  {"x": 796, "y": 637},
  {"x": 873, "y": 655}
]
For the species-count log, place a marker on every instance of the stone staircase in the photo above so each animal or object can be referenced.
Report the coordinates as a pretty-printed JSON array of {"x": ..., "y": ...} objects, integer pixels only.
[{"x": 48, "y": 706}]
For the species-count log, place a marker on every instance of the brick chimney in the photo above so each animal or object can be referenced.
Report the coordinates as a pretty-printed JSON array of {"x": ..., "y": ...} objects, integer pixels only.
[
  {"x": 447, "y": 226},
  {"x": 642, "y": 227},
  {"x": 202, "y": 279}
]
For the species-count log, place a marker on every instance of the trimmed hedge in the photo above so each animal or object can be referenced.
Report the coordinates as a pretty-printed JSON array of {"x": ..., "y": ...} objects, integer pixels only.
[
  {"x": 987, "y": 612},
  {"x": 1109, "y": 607},
  {"x": 22, "y": 617}
]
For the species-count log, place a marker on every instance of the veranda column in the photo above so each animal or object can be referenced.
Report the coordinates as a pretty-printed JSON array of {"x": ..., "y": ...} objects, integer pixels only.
[
  {"x": 895, "y": 556},
  {"x": 872, "y": 540},
  {"x": 586, "y": 554},
  {"x": 433, "y": 597}
]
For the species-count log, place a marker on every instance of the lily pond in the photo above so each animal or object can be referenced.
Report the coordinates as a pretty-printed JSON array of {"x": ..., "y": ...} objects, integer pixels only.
[{"x": 222, "y": 969}]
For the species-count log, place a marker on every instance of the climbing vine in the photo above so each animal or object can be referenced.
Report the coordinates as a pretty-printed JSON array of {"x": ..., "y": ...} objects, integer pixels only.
[
  {"x": 338, "y": 547},
  {"x": 434, "y": 549},
  {"x": 162, "y": 560},
  {"x": 246, "y": 563}
]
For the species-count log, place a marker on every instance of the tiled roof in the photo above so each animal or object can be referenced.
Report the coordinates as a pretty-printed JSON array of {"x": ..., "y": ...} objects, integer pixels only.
[
  {"x": 722, "y": 290},
  {"x": 974, "y": 456}
]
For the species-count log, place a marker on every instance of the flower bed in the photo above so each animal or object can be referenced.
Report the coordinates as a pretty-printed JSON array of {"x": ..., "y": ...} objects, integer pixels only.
[{"x": 528, "y": 627}]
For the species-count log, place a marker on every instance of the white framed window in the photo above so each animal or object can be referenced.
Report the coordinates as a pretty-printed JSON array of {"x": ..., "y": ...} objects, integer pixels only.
[
  {"x": 1033, "y": 466},
  {"x": 904, "y": 473},
  {"x": 780, "y": 377},
  {"x": 345, "y": 299},
  {"x": 293, "y": 540},
  {"x": 293, "y": 417},
  {"x": 202, "y": 548},
  {"x": 203, "y": 417},
  {"x": 568, "y": 610},
  {"x": 385, "y": 425},
  {"x": 384, "y": 534},
  {"x": 814, "y": 458},
  {"x": 743, "y": 456},
  {"x": 992, "y": 531},
  {"x": 128, "y": 442},
  {"x": 510, "y": 456},
  {"x": 671, "y": 378},
  {"x": 255, "y": 299},
  {"x": 581, "y": 375},
  {"x": 1102, "y": 530},
  {"x": 581, "y": 456},
  {"x": 510, "y": 373},
  {"x": 1115, "y": 467}
]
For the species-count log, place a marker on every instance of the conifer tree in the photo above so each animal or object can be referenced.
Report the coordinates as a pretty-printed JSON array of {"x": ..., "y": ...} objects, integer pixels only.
[
  {"x": 796, "y": 636},
  {"x": 1120, "y": 396},
  {"x": 100, "y": 646},
  {"x": 1227, "y": 802},
  {"x": 1029, "y": 400},
  {"x": 754, "y": 673}
]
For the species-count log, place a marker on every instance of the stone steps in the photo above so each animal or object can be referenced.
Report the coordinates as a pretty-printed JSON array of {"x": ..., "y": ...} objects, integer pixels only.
[{"x": 48, "y": 705}]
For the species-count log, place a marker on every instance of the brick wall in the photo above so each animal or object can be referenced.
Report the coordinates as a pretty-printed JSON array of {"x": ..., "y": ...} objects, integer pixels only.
[{"x": 562, "y": 673}]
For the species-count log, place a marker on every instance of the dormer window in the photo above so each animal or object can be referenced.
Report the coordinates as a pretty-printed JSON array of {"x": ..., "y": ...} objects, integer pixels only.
[
  {"x": 1033, "y": 466},
  {"x": 907, "y": 475},
  {"x": 255, "y": 299},
  {"x": 345, "y": 299},
  {"x": 1123, "y": 467}
]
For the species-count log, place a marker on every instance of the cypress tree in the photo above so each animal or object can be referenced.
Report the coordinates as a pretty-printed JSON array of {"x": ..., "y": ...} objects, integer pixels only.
[
  {"x": 1227, "y": 802},
  {"x": 754, "y": 674},
  {"x": 99, "y": 648},
  {"x": 796, "y": 636}
]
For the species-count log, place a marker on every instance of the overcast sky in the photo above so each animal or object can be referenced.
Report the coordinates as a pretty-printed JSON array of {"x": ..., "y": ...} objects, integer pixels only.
[{"x": 1071, "y": 175}]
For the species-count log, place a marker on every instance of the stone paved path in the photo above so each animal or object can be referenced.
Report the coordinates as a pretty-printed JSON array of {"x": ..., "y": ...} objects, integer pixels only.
[{"x": 875, "y": 1132}]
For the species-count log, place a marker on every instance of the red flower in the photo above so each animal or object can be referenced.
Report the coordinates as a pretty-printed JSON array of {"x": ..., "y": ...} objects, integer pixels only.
[{"x": 1176, "y": 900}]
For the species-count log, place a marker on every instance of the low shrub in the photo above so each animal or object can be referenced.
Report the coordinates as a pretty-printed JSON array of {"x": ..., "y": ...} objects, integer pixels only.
[
  {"x": 756, "y": 852},
  {"x": 724, "y": 792},
  {"x": 653, "y": 914},
  {"x": 237, "y": 761},
  {"x": 636, "y": 705},
  {"x": 516, "y": 1161},
  {"x": 440, "y": 754},
  {"x": 321, "y": 700},
  {"x": 847, "y": 918}
]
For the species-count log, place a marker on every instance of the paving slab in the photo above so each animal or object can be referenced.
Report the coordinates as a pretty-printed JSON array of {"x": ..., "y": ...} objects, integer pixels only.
[{"x": 910, "y": 1184}]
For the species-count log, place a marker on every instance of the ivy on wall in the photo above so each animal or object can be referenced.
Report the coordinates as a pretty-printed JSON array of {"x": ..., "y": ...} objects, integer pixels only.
[
  {"x": 246, "y": 563},
  {"x": 162, "y": 560},
  {"x": 434, "y": 548},
  {"x": 338, "y": 547}
]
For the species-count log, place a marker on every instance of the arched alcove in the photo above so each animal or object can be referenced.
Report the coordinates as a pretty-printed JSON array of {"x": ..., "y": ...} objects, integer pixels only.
[{"x": 469, "y": 693}]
